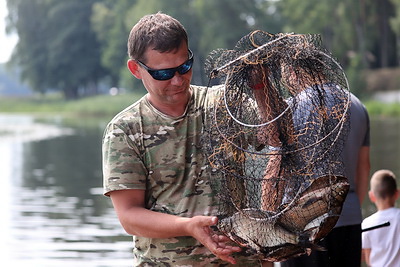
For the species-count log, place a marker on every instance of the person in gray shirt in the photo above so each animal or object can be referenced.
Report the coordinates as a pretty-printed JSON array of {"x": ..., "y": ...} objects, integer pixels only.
[{"x": 343, "y": 243}]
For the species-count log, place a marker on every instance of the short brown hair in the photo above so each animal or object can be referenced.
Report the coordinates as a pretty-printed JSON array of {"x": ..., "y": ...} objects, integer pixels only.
[
  {"x": 158, "y": 31},
  {"x": 383, "y": 184}
]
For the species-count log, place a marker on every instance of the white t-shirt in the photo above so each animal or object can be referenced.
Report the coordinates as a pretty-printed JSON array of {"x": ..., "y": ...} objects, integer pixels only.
[{"x": 384, "y": 242}]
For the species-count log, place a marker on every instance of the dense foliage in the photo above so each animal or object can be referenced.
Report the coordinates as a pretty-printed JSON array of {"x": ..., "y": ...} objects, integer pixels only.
[{"x": 74, "y": 46}]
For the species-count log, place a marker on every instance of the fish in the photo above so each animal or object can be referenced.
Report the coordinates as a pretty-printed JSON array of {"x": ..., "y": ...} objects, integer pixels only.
[
  {"x": 236, "y": 227},
  {"x": 293, "y": 230},
  {"x": 264, "y": 242},
  {"x": 318, "y": 206},
  {"x": 270, "y": 242}
]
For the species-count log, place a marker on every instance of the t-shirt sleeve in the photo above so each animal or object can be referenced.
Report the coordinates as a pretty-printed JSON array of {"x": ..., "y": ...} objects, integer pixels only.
[
  {"x": 366, "y": 141},
  {"x": 123, "y": 167},
  {"x": 365, "y": 237},
  {"x": 365, "y": 241}
]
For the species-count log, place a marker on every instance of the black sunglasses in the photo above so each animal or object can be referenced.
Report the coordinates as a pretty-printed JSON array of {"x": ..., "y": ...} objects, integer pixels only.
[{"x": 166, "y": 74}]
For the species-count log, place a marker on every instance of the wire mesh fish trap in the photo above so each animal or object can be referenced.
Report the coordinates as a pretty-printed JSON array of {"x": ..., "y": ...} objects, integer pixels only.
[{"x": 274, "y": 142}]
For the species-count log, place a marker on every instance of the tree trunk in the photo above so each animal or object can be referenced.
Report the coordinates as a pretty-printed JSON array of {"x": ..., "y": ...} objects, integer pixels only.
[
  {"x": 359, "y": 22},
  {"x": 71, "y": 92},
  {"x": 384, "y": 30}
]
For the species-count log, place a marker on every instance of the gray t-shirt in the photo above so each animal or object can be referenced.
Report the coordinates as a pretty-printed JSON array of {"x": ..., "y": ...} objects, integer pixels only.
[{"x": 358, "y": 137}]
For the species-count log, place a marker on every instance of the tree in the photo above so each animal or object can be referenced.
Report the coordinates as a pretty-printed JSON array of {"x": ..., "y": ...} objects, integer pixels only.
[
  {"x": 25, "y": 19},
  {"x": 72, "y": 45},
  {"x": 324, "y": 17},
  {"x": 210, "y": 24},
  {"x": 386, "y": 40},
  {"x": 220, "y": 24},
  {"x": 349, "y": 28},
  {"x": 108, "y": 22},
  {"x": 55, "y": 51},
  {"x": 395, "y": 25}
]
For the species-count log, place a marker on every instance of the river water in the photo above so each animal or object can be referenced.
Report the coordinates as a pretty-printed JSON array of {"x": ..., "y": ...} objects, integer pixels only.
[{"x": 53, "y": 210}]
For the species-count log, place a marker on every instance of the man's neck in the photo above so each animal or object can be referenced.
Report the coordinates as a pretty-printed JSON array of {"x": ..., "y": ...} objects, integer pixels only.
[{"x": 171, "y": 110}]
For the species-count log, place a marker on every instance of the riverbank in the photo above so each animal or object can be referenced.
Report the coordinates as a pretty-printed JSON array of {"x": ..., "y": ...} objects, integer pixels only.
[
  {"x": 382, "y": 109},
  {"x": 108, "y": 106},
  {"x": 95, "y": 106}
]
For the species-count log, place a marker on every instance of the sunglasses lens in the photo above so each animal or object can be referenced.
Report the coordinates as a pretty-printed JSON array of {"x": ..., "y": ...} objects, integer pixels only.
[
  {"x": 186, "y": 66},
  {"x": 167, "y": 74},
  {"x": 162, "y": 75}
]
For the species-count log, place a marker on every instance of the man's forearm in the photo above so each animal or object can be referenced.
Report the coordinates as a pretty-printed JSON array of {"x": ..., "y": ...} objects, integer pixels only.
[{"x": 143, "y": 222}]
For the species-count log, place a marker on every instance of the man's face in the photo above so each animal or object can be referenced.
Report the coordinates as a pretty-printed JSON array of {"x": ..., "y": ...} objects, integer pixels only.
[{"x": 169, "y": 95}]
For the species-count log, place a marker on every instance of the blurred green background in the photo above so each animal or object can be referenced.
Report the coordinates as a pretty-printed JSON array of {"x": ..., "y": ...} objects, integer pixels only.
[
  {"x": 77, "y": 48},
  {"x": 68, "y": 72}
]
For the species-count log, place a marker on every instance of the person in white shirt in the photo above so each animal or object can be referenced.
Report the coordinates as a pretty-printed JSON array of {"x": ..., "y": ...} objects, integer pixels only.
[{"x": 381, "y": 246}]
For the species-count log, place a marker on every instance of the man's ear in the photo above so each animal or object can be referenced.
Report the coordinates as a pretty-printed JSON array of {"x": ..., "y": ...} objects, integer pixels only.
[{"x": 133, "y": 67}]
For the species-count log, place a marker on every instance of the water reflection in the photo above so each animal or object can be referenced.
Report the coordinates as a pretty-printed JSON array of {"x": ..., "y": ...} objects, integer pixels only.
[
  {"x": 385, "y": 146},
  {"x": 385, "y": 152},
  {"x": 54, "y": 212}
]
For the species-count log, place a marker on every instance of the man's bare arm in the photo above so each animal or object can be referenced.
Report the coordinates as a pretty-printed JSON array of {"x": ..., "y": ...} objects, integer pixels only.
[
  {"x": 139, "y": 221},
  {"x": 363, "y": 170}
]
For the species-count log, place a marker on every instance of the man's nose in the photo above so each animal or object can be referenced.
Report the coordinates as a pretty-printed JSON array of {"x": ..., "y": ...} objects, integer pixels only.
[{"x": 177, "y": 79}]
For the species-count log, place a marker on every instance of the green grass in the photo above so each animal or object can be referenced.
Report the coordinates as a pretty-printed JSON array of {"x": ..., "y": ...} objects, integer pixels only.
[
  {"x": 108, "y": 106},
  {"x": 101, "y": 105},
  {"x": 379, "y": 109}
]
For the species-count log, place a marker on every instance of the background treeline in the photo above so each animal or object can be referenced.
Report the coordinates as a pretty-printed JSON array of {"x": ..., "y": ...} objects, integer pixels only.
[{"x": 79, "y": 46}]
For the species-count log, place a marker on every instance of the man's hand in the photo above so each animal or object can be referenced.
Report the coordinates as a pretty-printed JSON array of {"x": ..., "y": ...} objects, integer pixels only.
[
  {"x": 139, "y": 221},
  {"x": 199, "y": 228}
]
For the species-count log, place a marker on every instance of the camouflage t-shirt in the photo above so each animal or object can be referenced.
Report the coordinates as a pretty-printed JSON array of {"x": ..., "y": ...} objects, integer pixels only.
[{"x": 145, "y": 149}]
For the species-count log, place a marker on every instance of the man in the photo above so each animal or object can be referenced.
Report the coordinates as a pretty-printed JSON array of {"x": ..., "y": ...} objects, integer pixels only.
[
  {"x": 343, "y": 243},
  {"x": 153, "y": 164}
]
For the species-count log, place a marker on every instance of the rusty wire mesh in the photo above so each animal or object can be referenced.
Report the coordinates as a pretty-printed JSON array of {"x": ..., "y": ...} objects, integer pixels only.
[{"x": 274, "y": 141}]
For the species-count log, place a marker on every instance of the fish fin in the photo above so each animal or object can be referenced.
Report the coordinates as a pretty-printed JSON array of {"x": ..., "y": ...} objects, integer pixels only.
[
  {"x": 318, "y": 247},
  {"x": 237, "y": 239}
]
